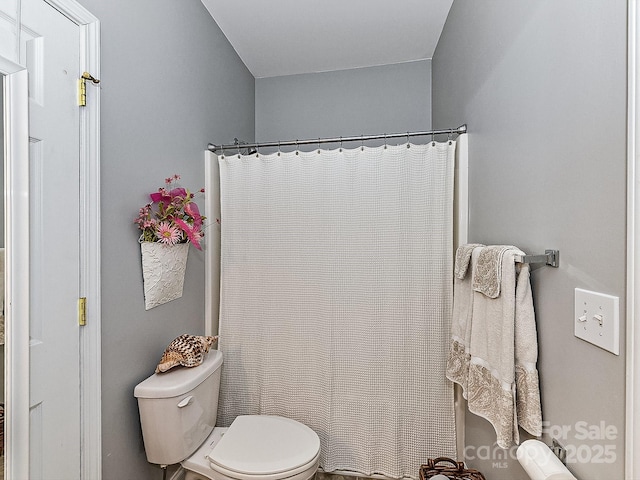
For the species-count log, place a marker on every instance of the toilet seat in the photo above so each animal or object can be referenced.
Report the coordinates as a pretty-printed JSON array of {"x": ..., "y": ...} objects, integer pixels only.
[
  {"x": 265, "y": 446},
  {"x": 303, "y": 472},
  {"x": 258, "y": 447}
]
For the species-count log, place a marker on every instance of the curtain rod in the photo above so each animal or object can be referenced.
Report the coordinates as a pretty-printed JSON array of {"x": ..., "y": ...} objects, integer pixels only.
[{"x": 236, "y": 146}]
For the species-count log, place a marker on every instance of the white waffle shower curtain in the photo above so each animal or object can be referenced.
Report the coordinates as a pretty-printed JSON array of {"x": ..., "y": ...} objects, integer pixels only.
[{"x": 336, "y": 293}]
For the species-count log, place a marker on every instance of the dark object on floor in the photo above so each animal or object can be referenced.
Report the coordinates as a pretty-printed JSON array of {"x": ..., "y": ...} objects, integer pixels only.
[{"x": 449, "y": 468}]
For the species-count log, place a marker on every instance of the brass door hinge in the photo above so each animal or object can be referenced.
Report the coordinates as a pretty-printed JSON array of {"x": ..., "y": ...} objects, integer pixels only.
[
  {"x": 82, "y": 311},
  {"x": 82, "y": 88}
]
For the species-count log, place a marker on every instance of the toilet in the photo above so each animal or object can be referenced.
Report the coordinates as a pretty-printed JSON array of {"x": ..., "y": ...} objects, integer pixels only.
[{"x": 178, "y": 411}]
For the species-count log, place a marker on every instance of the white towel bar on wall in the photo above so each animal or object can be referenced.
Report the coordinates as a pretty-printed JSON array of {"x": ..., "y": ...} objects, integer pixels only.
[{"x": 550, "y": 257}]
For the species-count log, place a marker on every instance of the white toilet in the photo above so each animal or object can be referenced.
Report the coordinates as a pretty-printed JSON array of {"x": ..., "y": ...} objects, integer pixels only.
[{"x": 178, "y": 411}]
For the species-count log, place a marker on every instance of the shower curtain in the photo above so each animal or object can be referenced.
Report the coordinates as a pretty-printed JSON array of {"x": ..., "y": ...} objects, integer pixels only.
[{"x": 336, "y": 295}]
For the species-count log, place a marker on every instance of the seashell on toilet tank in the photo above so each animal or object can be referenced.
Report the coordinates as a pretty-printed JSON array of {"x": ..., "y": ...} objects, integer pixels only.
[{"x": 185, "y": 350}]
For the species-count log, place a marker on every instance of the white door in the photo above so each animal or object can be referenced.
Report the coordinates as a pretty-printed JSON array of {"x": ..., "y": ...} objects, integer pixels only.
[{"x": 50, "y": 50}]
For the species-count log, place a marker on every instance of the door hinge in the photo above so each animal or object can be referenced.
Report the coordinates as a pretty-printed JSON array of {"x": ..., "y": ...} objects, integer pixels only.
[
  {"x": 82, "y": 88},
  {"x": 82, "y": 311}
]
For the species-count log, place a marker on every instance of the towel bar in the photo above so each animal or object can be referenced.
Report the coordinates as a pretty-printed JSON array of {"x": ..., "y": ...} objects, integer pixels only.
[{"x": 550, "y": 257}]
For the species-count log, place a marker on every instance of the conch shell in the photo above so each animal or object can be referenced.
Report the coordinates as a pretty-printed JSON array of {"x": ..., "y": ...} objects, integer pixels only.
[{"x": 186, "y": 350}]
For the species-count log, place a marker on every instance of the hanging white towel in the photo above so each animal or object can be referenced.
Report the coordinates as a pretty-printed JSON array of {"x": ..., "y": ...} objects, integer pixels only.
[
  {"x": 458, "y": 360},
  {"x": 528, "y": 407},
  {"x": 493, "y": 351},
  {"x": 502, "y": 379},
  {"x": 463, "y": 259},
  {"x": 487, "y": 275}
]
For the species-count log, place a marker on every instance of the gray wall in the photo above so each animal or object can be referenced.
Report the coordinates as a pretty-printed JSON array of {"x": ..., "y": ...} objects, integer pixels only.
[
  {"x": 542, "y": 87},
  {"x": 385, "y": 99},
  {"x": 170, "y": 84}
]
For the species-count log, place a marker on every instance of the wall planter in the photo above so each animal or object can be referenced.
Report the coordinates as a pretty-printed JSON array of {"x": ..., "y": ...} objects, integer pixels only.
[
  {"x": 170, "y": 223},
  {"x": 163, "y": 270}
]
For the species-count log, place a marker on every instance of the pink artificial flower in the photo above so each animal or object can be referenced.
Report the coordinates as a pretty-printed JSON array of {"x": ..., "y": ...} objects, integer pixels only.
[
  {"x": 178, "y": 192},
  {"x": 167, "y": 197},
  {"x": 167, "y": 233},
  {"x": 171, "y": 217},
  {"x": 193, "y": 234},
  {"x": 198, "y": 235},
  {"x": 160, "y": 196},
  {"x": 194, "y": 212}
]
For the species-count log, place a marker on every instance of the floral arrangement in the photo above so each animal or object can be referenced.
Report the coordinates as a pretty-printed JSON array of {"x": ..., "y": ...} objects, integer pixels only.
[{"x": 172, "y": 217}]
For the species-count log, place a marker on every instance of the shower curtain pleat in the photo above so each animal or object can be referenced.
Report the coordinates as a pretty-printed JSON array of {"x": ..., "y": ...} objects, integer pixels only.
[{"x": 336, "y": 296}]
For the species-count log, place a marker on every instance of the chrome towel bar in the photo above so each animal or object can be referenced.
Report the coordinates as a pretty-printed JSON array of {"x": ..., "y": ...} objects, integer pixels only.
[{"x": 550, "y": 257}]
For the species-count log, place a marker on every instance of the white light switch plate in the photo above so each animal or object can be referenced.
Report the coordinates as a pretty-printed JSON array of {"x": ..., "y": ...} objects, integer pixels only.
[{"x": 597, "y": 319}]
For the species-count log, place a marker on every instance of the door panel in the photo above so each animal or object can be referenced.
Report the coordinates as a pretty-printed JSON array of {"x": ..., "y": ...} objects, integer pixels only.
[{"x": 50, "y": 49}]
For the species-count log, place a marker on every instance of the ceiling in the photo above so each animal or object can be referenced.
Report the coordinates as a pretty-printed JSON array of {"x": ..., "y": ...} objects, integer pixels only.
[{"x": 285, "y": 37}]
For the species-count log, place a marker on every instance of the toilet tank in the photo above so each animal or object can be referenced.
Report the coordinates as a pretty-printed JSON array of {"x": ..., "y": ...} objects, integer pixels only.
[{"x": 178, "y": 409}]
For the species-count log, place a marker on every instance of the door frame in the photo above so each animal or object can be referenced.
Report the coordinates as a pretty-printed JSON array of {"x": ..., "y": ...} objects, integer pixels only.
[
  {"x": 17, "y": 287},
  {"x": 16, "y": 188},
  {"x": 632, "y": 414},
  {"x": 90, "y": 287}
]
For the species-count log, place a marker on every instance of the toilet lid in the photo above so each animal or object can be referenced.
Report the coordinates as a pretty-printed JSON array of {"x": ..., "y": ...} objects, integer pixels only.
[{"x": 264, "y": 445}]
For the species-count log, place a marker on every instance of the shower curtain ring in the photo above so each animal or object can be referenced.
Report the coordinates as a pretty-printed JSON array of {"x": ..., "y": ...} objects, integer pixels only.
[
  {"x": 433, "y": 139},
  {"x": 222, "y": 150},
  {"x": 318, "y": 144},
  {"x": 238, "y": 145},
  {"x": 297, "y": 148},
  {"x": 450, "y": 136},
  {"x": 362, "y": 143},
  {"x": 385, "y": 141},
  {"x": 278, "y": 148},
  {"x": 408, "y": 144}
]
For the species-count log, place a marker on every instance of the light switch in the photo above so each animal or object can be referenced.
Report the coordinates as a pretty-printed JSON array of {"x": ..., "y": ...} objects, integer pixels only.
[{"x": 597, "y": 319}]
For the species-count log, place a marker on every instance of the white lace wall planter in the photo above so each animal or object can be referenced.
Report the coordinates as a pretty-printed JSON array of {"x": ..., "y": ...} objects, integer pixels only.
[{"x": 163, "y": 269}]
